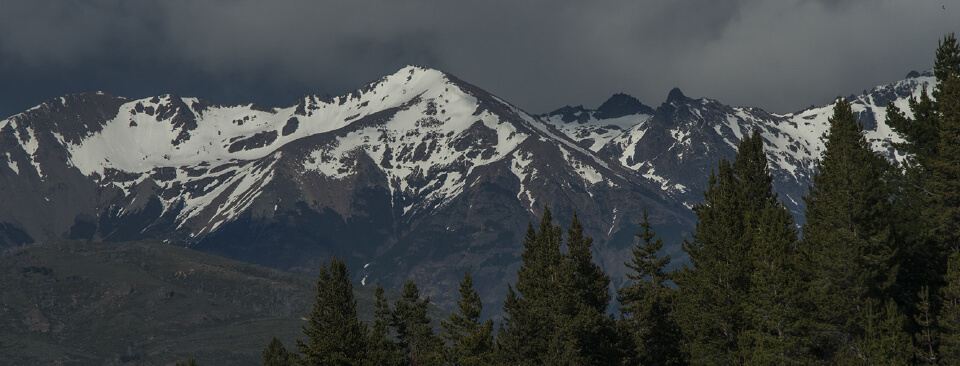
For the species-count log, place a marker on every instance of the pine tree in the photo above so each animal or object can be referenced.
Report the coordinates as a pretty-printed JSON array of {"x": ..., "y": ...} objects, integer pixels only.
[
  {"x": 711, "y": 291},
  {"x": 590, "y": 283},
  {"x": 334, "y": 333},
  {"x": 277, "y": 355},
  {"x": 944, "y": 208},
  {"x": 470, "y": 342},
  {"x": 738, "y": 302},
  {"x": 511, "y": 345},
  {"x": 414, "y": 333},
  {"x": 848, "y": 241},
  {"x": 382, "y": 350},
  {"x": 587, "y": 329},
  {"x": 557, "y": 315},
  {"x": 884, "y": 341},
  {"x": 931, "y": 206},
  {"x": 533, "y": 311},
  {"x": 647, "y": 306},
  {"x": 778, "y": 315},
  {"x": 927, "y": 337},
  {"x": 949, "y": 319}
]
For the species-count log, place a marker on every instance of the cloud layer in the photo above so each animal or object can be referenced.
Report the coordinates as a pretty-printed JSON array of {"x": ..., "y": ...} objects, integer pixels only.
[{"x": 778, "y": 55}]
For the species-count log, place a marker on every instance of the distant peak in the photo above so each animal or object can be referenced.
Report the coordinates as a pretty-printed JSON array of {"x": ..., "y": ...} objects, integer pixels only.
[
  {"x": 570, "y": 114},
  {"x": 913, "y": 74},
  {"x": 676, "y": 95},
  {"x": 418, "y": 69},
  {"x": 619, "y": 105}
]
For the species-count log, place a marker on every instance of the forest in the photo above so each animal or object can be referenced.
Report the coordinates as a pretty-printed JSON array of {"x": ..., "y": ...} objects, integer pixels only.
[{"x": 871, "y": 278}]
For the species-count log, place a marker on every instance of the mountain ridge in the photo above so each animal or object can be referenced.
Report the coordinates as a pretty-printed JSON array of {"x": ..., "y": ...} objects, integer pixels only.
[
  {"x": 418, "y": 174},
  {"x": 402, "y": 177},
  {"x": 706, "y": 130}
]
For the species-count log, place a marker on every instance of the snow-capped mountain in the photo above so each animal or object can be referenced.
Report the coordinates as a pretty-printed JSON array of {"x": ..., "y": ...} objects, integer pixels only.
[
  {"x": 418, "y": 174},
  {"x": 678, "y": 145},
  {"x": 593, "y": 129}
]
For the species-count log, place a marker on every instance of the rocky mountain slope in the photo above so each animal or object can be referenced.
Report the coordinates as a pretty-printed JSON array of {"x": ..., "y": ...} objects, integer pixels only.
[
  {"x": 678, "y": 145},
  {"x": 418, "y": 174}
]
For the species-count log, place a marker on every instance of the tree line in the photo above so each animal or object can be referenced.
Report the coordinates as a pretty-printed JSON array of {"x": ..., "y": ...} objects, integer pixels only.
[{"x": 872, "y": 277}]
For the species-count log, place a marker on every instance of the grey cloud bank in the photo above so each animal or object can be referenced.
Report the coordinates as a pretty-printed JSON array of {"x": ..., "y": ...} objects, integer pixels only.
[{"x": 777, "y": 55}]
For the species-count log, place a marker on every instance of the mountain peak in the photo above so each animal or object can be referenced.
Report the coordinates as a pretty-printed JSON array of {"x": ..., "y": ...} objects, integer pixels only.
[
  {"x": 619, "y": 105},
  {"x": 676, "y": 95}
]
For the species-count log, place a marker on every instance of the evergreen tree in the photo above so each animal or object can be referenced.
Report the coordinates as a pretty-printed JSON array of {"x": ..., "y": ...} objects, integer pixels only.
[
  {"x": 738, "y": 303},
  {"x": 932, "y": 189},
  {"x": 647, "y": 323},
  {"x": 513, "y": 332},
  {"x": 884, "y": 342},
  {"x": 779, "y": 327},
  {"x": 587, "y": 329},
  {"x": 950, "y": 314},
  {"x": 557, "y": 315},
  {"x": 533, "y": 310},
  {"x": 335, "y": 336},
  {"x": 414, "y": 333},
  {"x": 927, "y": 337},
  {"x": 470, "y": 342},
  {"x": 382, "y": 350},
  {"x": 944, "y": 208},
  {"x": 711, "y": 289},
  {"x": 590, "y": 283},
  {"x": 277, "y": 355},
  {"x": 921, "y": 261},
  {"x": 848, "y": 241}
]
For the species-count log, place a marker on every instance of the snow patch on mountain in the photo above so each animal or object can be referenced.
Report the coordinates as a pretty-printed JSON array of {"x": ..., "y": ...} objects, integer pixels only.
[{"x": 521, "y": 167}]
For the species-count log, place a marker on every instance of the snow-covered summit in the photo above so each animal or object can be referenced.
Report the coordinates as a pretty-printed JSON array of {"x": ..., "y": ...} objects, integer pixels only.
[
  {"x": 169, "y": 131},
  {"x": 680, "y": 144},
  {"x": 593, "y": 128}
]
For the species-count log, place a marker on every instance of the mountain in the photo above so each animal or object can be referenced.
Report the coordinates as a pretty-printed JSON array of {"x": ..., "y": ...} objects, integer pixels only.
[
  {"x": 678, "y": 145},
  {"x": 593, "y": 129},
  {"x": 418, "y": 175},
  {"x": 148, "y": 303}
]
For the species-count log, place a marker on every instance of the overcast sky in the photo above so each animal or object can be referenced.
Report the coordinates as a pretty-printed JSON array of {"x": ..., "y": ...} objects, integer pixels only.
[{"x": 779, "y": 55}]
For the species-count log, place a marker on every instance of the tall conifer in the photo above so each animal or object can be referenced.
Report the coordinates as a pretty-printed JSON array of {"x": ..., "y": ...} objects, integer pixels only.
[
  {"x": 277, "y": 355},
  {"x": 932, "y": 204},
  {"x": 848, "y": 238},
  {"x": 712, "y": 289},
  {"x": 381, "y": 349},
  {"x": 470, "y": 342},
  {"x": 950, "y": 314},
  {"x": 779, "y": 328},
  {"x": 737, "y": 301},
  {"x": 944, "y": 205},
  {"x": 335, "y": 336},
  {"x": 557, "y": 315},
  {"x": 945, "y": 166},
  {"x": 647, "y": 313},
  {"x": 533, "y": 310},
  {"x": 414, "y": 333},
  {"x": 586, "y": 328}
]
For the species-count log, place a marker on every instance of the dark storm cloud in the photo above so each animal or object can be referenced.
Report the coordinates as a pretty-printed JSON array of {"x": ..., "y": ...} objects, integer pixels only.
[{"x": 780, "y": 55}]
